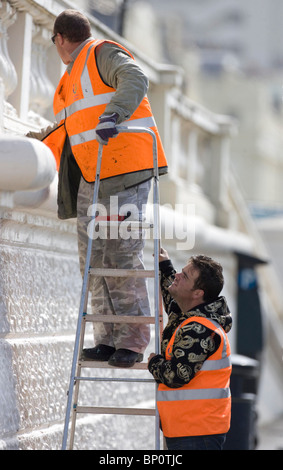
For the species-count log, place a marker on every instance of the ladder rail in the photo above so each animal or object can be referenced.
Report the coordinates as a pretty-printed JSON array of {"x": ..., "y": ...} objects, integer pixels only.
[
  {"x": 83, "y": 305},
  {"x": 76, "y": 366}
]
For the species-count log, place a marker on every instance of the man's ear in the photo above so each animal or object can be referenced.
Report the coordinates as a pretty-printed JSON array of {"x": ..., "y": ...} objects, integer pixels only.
[
  {"x": 198, "y": 294},
  {"x": 60, "y": 39}
]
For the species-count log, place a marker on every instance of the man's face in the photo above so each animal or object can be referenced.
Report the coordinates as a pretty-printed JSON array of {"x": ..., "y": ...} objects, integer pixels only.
[
  {"x": 182, "y": 288},
  {"x": 62, "y": 46}
]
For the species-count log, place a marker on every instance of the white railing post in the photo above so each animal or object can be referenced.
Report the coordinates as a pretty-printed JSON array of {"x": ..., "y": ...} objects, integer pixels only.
[{"x": 7, "y": 69}]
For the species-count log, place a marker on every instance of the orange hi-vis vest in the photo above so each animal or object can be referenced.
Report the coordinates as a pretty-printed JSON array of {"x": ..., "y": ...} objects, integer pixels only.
[
  {"x": 203, "y": 406},
  {"x": 79, "y": 100}
]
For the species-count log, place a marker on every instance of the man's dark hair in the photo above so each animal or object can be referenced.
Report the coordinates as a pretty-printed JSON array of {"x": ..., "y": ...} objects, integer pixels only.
[
  {"x": 210, "y": 278},
  {"x": 73, "y": 25}
]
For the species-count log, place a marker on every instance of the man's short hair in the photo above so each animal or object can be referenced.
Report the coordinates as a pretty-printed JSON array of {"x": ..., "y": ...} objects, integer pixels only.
[
  {"x": 73, "y": 25},
  {"x": 210, "y": 278}
]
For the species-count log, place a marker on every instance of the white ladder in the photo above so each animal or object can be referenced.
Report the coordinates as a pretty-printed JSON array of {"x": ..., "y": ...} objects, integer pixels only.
[{"x": 83, "y": 317}]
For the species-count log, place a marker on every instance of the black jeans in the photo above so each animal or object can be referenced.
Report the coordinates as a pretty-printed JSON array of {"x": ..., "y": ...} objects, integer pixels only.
[{"x": 213, "y": 442}]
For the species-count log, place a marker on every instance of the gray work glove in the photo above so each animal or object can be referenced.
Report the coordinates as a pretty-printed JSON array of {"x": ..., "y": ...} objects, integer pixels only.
[{"x": 106, "y": 128}]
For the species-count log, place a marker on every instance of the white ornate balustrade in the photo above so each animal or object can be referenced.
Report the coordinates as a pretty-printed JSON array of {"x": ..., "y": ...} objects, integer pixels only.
[{"x": 30, "y": 70}]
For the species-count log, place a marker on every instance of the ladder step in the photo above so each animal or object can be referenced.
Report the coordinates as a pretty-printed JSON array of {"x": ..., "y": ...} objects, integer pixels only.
[
  {"x": 119, "y": 411},
  {"x": 112, "y": 272},
  {"x": 113, "y": 379},
  {"x": 105, "y": 365},
  {"x": 127, "y": 224},
  {"x": 118, "y": 319}
]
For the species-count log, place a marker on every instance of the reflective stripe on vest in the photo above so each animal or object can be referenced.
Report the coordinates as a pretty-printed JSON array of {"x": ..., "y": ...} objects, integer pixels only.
[
  {"x": 80, "y": 105},
  {"x": 196, "y": 394},
  {"x": 85, "y": 78},
  {"x": 87, "y": 136},
  {"x": 203, "y": 405},
  {"x": 79, "y": 101}
]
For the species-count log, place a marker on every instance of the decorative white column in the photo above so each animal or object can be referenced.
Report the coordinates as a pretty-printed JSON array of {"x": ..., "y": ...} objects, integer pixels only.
[
  {"x": 218, "y": 182},
  {"x": 1, "y": 104},
  {"x": 175, "y": 145},
  {"x": 41, "y": 90},
  {"x": 7, "y": 69},
  {"x": 21, "y": 53},
  {"x": 192, "y": 156}
]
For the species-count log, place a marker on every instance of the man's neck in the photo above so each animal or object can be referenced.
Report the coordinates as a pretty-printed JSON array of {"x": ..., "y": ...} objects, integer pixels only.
[
  {"x": 188, "y": 306},
  {"x": 74, "y": 54}
]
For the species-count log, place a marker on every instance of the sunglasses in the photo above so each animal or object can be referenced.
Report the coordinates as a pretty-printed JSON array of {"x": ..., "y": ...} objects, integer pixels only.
[{"x": 53, "y": 38}]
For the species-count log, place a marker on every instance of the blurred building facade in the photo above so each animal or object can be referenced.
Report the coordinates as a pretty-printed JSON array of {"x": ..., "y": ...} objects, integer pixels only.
[
  {"x": 203, "y": 209},
  {"x": 232, "y": 55},
  {"x": 235, "y": 47}
]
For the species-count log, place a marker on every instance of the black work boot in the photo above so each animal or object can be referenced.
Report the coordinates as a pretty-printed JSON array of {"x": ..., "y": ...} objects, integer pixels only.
[
  {"x": 125, "y": 358},
  {"x": 101, "y": 352}
]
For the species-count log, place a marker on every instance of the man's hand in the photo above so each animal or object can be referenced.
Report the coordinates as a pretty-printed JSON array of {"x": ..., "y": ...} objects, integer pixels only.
[
  {"x": 150, "y": 357},
  {"x": 106, "y": 128},
  {"x": 163, "y": 255}
]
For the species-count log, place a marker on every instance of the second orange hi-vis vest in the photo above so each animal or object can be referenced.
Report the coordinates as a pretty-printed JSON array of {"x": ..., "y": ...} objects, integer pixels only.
[
  {"x": 79, "y": 100},
  {"x": 203, "y": 406}
]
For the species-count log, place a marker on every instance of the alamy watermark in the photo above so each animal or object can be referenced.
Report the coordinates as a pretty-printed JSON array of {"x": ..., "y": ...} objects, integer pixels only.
[{"x": 176, "y": 222}]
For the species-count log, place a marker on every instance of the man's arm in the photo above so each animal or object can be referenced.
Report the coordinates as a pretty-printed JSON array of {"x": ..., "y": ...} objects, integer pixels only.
[
  {"x": 118, "y": 70},
  {"x": 39, "y": 135},
  {"x": 193, "y": 344},
  {"x": 167, "y": 275}
]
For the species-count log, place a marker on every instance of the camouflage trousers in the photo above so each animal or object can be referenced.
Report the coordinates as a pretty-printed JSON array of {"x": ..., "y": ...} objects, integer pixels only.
[{"x": 114, "y": 295}]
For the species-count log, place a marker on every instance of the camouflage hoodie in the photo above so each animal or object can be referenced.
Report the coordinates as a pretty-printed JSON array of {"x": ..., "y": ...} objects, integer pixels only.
[{"x": 194, "y": 343}]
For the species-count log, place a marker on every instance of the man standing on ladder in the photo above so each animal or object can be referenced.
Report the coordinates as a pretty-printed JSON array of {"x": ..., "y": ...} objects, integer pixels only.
[
  {"x": 194, "y": 367},
  {"x": 102, "y": 87}
]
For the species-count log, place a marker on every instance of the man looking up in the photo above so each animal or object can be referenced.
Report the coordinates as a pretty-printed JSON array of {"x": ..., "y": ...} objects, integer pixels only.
[{"x": 193, "y": 370}]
